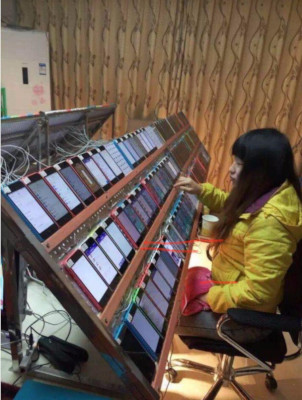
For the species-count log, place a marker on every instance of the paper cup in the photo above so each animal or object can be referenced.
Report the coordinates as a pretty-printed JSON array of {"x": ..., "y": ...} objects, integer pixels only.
[{"x": 208, "y": 224}]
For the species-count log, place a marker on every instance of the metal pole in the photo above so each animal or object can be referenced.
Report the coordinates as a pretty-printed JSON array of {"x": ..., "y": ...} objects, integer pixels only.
[{"x": 11, "y": 303}]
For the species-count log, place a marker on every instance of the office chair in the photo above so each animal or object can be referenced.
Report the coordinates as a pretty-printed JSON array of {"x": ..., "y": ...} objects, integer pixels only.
[{"x": 266, "y": 352}]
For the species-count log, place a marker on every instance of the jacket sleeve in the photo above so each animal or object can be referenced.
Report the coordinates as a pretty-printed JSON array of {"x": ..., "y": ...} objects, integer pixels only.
[
  {"x": 268, "y": 249},
  {"x": 212, "y": 197}
]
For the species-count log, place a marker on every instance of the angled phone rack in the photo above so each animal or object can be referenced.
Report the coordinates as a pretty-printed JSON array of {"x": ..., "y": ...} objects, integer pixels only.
[{"x": 154, "y": 157}]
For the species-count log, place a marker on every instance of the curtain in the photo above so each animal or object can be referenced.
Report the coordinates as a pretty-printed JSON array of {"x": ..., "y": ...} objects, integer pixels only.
[{"x": 230, "y": 65}]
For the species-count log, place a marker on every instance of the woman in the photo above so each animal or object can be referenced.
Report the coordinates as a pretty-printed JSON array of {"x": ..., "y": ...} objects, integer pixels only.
[{"x": 260, "y": 223}]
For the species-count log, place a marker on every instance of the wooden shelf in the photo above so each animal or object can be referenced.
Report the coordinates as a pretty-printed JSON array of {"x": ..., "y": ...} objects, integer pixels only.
[
  {"x": 68, "y": 229},
  {"x": 119, "y": 292},
  {"x": 175, "y": 312}
]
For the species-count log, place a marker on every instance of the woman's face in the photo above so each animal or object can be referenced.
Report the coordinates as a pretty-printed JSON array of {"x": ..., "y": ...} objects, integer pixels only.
[{"x": 235, "y": 170}]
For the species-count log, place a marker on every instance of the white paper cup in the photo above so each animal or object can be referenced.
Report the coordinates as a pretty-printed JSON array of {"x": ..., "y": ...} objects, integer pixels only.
[{"x": 208, "y": 224}]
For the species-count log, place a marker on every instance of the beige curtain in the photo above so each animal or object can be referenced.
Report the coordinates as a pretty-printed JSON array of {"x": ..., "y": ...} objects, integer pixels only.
[{"x": 230, "y": 65}]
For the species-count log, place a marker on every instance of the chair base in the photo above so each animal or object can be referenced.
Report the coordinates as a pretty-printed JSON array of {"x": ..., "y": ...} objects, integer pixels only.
[{"x": 224, "y": 375}]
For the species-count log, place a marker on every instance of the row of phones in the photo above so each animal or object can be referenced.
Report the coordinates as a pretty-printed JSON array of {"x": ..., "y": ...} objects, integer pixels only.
[
  {"x": 138, "y": 145},
  {"x": 182, "y": 216},
  {"x": 135, "y": 214},
  {"x": 148, "y": 315},
  {"x": 198, "y": 171},
  {"x": 99, "y": 263},
  {"x": 50, "y": 198}
]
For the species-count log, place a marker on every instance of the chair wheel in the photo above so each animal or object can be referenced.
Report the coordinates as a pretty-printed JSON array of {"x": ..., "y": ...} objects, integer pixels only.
[
  {"x": 171, "y": 374},
  {"x": 271, "y": 383}
]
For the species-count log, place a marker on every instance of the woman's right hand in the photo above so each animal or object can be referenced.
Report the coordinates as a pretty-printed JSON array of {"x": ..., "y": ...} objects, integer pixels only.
[{"x": 188, "y": 185}]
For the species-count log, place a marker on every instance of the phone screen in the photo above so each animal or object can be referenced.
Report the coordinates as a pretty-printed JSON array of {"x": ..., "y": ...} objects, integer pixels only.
[
  {"x": 149, "y": 200},
  {"x": 141, "y": 212},
  {"x": 119, "y": 238},
  {"x": 58, "y": 184},
  {"x": 48, "y": 199},
  {"x": 147, "y": 139},
  {"x": 101, "y": 262},
  {"x": 165, "y": 271},
  {"x": 131, "y": 149},
  {"x": 112, "y": 164},
  {"x": 95, "y": 171},
  {"x": 85, "y": 175},
  {"x": 149, "y": 308},
  {"x": 104, "y": 167},
  {"x": 111, "y": 249},
  {"x": 129, "y": 227},
  {"x": 144, "y": 143},
  {"x": 118, "y": 158},
  {"x": 134, "y": 218},
  {"x": 126, "y": 152},
  {"x": 76, "y": 183},
  {"x": 145, "y": 205},
  {"x": 156, "y": 296},
  {"x": 31, "y": 209},
  {"x": 162, "y": 284},
  {"x": 155, "y": 190},
  {"x": 90, "y": 278},
  {"x": 145, "y": 329}
]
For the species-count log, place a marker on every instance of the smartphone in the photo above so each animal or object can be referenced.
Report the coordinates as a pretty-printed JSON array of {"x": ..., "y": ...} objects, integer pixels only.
[
  {"x": 30, "y": 210},
  {"x": 153, "y": 292},
  {"x": 160, "y": 282},
  {"x": 147, "y": 202},
  {"x": 154, "y": 135},
  {"x": 147, "y": 146},
  {"x": 74, "y": 181},
  {"x": 157, "y": 188},
  {"x": 62, "y": 189},
  {"x": 175, "y": 233},
  {"x": 149, "y": 308},
  {"x": 111, "y": 163},
  {"x": 134, "y": 217},
  {"x": 130, "y": 344},
  {"x": 111, "y": 250},
  {"x": 140, "y": 211},
  {"x": 169, "y": 271},
  {"x": 40, "y": 189},
  {"x": 142, "y": 329},
  {"x": 140, "y": 144},
  {"x": 88, "y": 279},
  {"x": 104, "y": 167},
  {"x": 118, "y": 158},
  {"x": 151, "y": 191},
  {"x": 160, "y": 182},
  {"x": 121, "y": 218},
  {"x": 136, "y": 145},
  {"x": 125, "y": 152},
  {"x": 95, "y": 171},
  {"x": 85, "y": 175},
  {"x": 101, "y": 263},
  {"x": 147, "y": 140},
  {"x": 133, "y": 149},
  {"x": 143, "y": 203},
  {"x": 116, "y": 235}
]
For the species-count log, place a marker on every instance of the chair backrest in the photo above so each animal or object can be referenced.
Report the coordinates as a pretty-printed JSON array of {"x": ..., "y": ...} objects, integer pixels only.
[{"x": 292, "y": 300}]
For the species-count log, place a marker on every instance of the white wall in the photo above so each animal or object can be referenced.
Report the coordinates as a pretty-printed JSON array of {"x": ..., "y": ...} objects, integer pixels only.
[{"x": 23, "y": 48}]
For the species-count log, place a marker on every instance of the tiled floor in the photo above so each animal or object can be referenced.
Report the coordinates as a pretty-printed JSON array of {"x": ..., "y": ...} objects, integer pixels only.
[{"x": 193, "y": 385}]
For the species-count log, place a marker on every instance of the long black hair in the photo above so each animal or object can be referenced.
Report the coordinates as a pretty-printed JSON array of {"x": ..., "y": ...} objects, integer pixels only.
[{"x": 267, "y": 162}]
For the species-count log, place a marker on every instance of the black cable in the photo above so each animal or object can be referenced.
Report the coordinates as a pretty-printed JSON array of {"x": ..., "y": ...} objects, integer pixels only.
[
  {"x": 6, "y": 351},
  {"x": 19, "y": 377},
  {"x": 42, "y": 318}
]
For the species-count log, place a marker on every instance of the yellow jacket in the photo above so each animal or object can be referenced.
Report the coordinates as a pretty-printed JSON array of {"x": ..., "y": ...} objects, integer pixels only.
[{"x": 257, "y": 253}]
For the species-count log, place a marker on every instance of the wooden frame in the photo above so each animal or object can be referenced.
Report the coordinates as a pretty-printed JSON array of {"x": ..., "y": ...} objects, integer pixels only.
[{"x": 38, "y": 256}]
